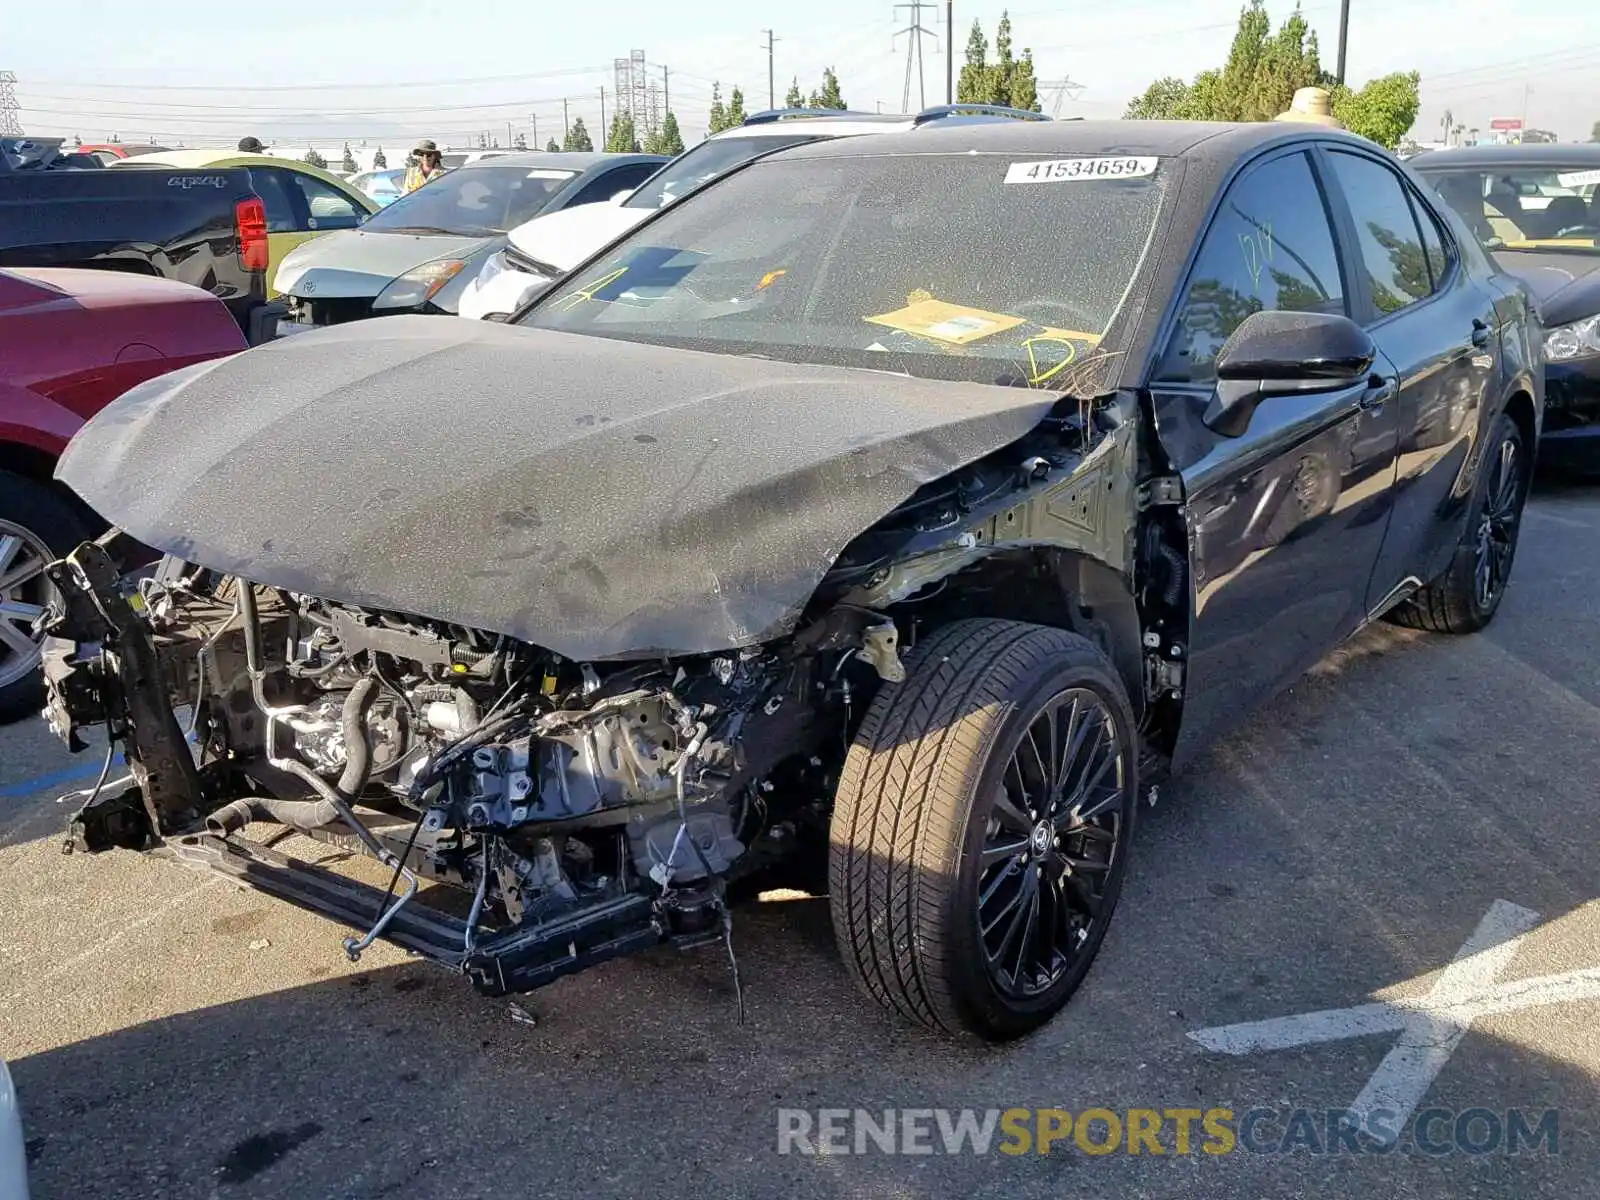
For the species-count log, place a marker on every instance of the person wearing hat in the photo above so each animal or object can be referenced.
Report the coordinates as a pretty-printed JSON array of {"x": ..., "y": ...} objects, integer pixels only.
[
  {"x": 251, "y": 145},
  {"x": 427, "y": 164}
]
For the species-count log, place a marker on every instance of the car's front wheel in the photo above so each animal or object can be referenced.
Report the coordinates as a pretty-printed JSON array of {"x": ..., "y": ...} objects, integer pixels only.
[
  {"x": 36, "y": 527},
  {"x": 982, "y": 825},
  {"x": 1465, "y": 598}
]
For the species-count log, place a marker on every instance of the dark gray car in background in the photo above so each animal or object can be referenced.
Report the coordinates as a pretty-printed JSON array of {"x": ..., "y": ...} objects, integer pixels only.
[
  {"x": 416, "y": 255},
  {"x": 1536, "y": 208}
]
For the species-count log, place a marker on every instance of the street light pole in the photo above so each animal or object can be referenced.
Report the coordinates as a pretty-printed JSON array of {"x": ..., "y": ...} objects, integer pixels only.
[
  {"x": 1344, "y": 36},
  {"x": 949, "y": 51},
  {"x": 772, "y": 86}
]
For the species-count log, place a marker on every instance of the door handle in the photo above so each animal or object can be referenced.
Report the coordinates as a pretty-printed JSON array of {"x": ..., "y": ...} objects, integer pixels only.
[
  {"x": 1379, "y": 392},
  {"x": 1480, "y": 332}
]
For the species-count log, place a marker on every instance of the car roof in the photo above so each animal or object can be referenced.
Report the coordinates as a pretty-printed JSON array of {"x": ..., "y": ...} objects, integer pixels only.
[
  {"x": 826, "y": 126},
  {"x": 1529, "y": 154},
  {"x": 189, "y": 159},
  {"x": 1213, "y": 141},
  {"x": 560, "y": 160}
]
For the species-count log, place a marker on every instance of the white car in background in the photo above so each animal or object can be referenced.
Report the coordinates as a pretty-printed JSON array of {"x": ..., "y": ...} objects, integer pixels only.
[
  {"x": 548, "y": 247},
  {"x": 385, "y": 185},
  {"x": 13, "y": 1151}
]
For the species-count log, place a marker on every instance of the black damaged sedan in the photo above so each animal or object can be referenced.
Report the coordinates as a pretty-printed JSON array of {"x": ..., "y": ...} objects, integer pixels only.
[{"x": 912, "y": 501}]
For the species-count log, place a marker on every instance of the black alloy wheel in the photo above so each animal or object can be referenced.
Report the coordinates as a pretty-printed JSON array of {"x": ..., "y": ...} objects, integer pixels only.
[{"x": 1054, "y": 834}]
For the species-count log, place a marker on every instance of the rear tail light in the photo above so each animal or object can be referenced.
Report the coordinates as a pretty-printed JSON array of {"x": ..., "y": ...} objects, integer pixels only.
[{"x": 250, "y": 222}]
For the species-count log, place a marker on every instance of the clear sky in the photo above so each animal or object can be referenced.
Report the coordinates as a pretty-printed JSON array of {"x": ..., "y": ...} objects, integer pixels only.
[{"x": 209, "y": 72}]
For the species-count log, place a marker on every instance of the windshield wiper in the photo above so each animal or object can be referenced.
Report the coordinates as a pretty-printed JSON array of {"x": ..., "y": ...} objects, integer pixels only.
[{"x": 414, "y": 229}]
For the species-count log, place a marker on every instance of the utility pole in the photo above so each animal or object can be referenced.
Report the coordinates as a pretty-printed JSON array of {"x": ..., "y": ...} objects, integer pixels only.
[
  {"x": 772, "y": 79},
  {"x": 914, "y": 51},
  {"x": 666, "y": 95},
  {"x": 566, "y": 129},
  {"x": 534, "y": 117},
  {"x": 604, "y": 128},
  {"x": 949, "y": 51},
  {"x": 1344, "y": 36}
]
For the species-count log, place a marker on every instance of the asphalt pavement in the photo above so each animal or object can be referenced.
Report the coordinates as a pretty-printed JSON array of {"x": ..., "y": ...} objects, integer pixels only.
[{"x": 1408, "y": 834}]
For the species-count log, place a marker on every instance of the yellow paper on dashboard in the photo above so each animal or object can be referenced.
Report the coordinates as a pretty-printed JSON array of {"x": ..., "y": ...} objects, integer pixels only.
[{"x": 954, "y": 324}]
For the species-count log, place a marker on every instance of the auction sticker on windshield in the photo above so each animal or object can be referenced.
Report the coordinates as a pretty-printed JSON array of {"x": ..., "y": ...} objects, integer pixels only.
[
  {"x": 1068, "y": 170},
  {"x": 1578, "y": 178}
]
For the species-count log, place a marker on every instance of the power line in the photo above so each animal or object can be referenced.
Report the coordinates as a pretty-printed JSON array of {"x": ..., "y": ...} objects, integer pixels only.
[
  {"x": 326, "y": 87},
  {"x": 269, "y": 113}
]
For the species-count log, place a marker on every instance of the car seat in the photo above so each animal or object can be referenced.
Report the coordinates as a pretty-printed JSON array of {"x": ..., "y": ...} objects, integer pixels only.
[
  {"x": 1564, "y": 213},
  {"x": 1503, "y": 208}
]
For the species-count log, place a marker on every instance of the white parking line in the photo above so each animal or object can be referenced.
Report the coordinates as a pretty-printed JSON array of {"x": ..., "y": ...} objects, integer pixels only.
[{"x": 1431, "y": 1026}]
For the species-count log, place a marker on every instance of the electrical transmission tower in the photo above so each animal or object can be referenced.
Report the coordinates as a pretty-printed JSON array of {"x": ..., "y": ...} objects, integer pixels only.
[
  {"x": 916, "y": 32},
  {"x": 1059, "y": 90},
  {"x": 10, "y": 108},
  {"x": 636, "y": 94}
]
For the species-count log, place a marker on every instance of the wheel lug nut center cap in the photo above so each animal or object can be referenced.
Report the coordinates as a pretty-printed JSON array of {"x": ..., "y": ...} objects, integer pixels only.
[{"x": 1041, "y": 837}]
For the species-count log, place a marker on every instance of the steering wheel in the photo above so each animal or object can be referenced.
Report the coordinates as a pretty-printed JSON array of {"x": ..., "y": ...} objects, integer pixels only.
[{"x": 1054, "y": 314}]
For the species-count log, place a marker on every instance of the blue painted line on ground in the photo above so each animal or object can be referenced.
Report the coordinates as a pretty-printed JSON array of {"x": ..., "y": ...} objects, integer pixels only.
[{"x": 40, "y": 783}]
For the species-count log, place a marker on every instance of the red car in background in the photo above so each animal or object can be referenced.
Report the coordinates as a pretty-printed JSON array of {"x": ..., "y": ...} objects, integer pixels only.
[{"x": 72, "y": 341}]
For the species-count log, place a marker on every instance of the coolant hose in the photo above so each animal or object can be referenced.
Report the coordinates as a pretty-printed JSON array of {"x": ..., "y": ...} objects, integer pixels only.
[{"x": 306, "y": 815}]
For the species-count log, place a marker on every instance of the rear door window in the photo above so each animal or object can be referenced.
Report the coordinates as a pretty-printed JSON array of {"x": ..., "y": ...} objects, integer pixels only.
[
  {"x": 282, "y": 199},
  {"x": 1386, "y": 230},
  {"x": 327, "y": 207}
]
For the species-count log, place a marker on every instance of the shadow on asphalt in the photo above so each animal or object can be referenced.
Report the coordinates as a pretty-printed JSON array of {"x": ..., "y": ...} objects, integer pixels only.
[{"x": 1347, "y": 839}]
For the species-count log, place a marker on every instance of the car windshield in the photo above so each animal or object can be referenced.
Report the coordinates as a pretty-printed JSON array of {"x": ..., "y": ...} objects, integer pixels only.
[
  {"x": 936, "y": 265},
  {"x": 1524, "y": 207},
  {"x": 704, "y": 163},
  {"x": 474, "y": 201}
]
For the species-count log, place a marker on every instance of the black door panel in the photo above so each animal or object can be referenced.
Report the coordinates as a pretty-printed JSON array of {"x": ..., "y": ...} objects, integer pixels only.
[
  {"x": 1284, "y": 524},
  {"x": 1286, "y": 520},
  {"x": 1438, "y": 329}
]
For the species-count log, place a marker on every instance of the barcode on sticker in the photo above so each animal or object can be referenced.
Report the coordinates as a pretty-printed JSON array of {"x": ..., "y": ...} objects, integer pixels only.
[{"x": 1067, "y": 170}]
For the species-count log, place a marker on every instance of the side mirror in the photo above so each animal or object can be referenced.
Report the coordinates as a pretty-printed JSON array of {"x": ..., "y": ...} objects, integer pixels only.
[{"x": 1285, "y": 353}]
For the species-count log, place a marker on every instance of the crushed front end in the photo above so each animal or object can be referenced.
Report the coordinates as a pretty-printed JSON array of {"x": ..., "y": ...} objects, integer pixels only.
[{"x": 580, "y": 811}]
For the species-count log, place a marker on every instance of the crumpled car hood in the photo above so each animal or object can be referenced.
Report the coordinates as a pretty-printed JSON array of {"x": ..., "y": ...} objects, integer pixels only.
[{"x": 600, "y": 498}]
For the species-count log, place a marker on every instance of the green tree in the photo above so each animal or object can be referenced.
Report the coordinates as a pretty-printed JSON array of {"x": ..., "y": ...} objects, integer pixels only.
[
  {"x": 973, "y": 85},
  {"x": 1008, "y": 80},
  {"x": 795, "y": 98},
  {"x": 736, "y": 113},
  {"x": 379, "y": 162},
  {"x": 349, "y": 165},
  {"x": 313, "y": 159},
  {"x": 827, "y": 96},
  {"x": 669, "y": 140},
  {"x": 621, "y": 138},
  {"x": 553, "y": 147},
  {"x": 1383, "y": 110},
  {"x": 718, "y": 119},
  {"x": 1160, "y": 101},
  {"x": 577, "y": 137},
  {"x": 521, "y": 141},
  {"x": 1025, "y": 84},
  {"x": 1263, "y": 71}
]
